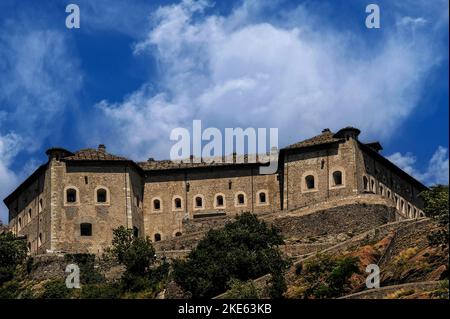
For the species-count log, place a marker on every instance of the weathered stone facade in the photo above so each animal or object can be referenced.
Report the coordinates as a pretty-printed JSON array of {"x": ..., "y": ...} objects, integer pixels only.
[{"x": 74, "y": 201}]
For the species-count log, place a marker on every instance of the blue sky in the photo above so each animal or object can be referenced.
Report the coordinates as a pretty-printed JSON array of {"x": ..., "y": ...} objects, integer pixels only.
[{"x": 137, "y": 69}]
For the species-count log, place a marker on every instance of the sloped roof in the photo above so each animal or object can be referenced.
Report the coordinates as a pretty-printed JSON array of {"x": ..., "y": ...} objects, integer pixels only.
[
  {"x": 168, "y": 164},
  {"x": 91, "y": 154},
  {"x": 326, "y": 137}
]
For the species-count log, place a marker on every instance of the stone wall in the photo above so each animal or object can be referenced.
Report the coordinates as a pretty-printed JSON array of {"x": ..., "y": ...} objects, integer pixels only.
[{"x": 355, "y": 218}]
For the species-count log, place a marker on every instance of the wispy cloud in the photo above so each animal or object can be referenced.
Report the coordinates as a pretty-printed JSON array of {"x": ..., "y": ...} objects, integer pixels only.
[
  {"x": 38, "y": 81},
  {"x": 437, "y": 171},
  {"x": 235, "y": 71}
]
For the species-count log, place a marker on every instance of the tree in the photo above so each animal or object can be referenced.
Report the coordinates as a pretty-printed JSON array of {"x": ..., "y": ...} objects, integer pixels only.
[
  {"x": 244, "y": 249},
  {"x": 436, "y": 206},
  {"x": 13, "y": 252},
  {"x": 138, "y": 257}
]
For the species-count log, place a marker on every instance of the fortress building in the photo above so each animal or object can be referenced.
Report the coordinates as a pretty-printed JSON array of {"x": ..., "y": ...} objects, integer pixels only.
[{"x": 74, "y": 201}]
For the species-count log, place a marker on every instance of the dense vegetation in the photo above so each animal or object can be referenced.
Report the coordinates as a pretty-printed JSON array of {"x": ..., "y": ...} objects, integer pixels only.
[
  {"x": 436, "y": 205},
  {"x": 244, "y": 249},
  {"x": 325, "y": 276}
]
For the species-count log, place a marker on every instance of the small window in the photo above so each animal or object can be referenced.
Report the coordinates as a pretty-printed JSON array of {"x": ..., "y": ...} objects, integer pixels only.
[
  {"x": 135, "y": 231},
  {"x": 156, "y": 204},
  {"x": 372, "y": 184},
  {"x": 40, "y": 240},
  {"x": 86, "y": 229},
  {"x": 241, "y": 199},
  {"x": 157, "y": 237},
  {"x": 337, "y": 178},
  {"x": 20, "y": 223},
  {"x": 366, "y": 183},
  {"x": 177, "y": 203},
  {"x": 309, "y": 180},
  {"x": 262, "y": 197},
  {"x": 29, "y": 214},
  {"x": 177, "y": 234},
  {"x": 219, "y": 201},
  {"x": 86, "y": 180},
  {"x": 198, "y": 202},
  {"x": 101, "y": 195},
  {"x": 71, "y": 195},
  {"x": 389, "y": 194},
  {"x": 381, "y": 190}
]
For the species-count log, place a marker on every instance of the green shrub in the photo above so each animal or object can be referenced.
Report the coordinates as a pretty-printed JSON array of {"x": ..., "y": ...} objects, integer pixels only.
[
  {"x": 55, "y": 289},
  {"x": 244, "y": 249},
  {"x": 13, "y": 252},
  {"x": 88, "y": 273},
  {"x": 242, "y": 289},
  {"x": 100, "y": 291},
  {"x": 328, "y": 277}
]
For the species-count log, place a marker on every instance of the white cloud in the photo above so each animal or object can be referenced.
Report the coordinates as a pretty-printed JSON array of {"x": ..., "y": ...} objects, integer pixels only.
[
  {"x": 10, "y": 145},
  {"x": 38, "y": 80},
  {"x": 232, "y": 71},
  {"x": 437, "y": 171}
]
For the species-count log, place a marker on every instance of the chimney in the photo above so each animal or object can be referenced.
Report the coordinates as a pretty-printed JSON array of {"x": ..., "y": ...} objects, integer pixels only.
[{"x": 102, "y": 148}]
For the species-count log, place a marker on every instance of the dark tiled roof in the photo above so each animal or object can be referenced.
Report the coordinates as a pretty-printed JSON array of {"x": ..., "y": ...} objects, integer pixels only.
[
  {"x": 325, "y": 138},
  {"x": 168, "y": 164},
  {"x": 90, "y": 154}
]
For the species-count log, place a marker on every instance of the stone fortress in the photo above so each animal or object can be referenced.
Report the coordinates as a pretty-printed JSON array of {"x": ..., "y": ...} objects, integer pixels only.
[{"x": 74, "y": 201}]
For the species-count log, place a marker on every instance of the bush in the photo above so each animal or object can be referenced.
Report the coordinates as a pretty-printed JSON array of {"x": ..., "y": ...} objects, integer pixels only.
[
  {"x": 101, "y": 291},
  {"x": 55, "y": 289},
  {"x": 244, "y": 249},
  {"x": 436, "y": 205},
  {"x": 328, "y": 277},
  {"x": 13, "y": 252},
  {"x": 138, "y": 257},
  {"x": 242, "y": 290},
  {"x": 88, "y": 273}
]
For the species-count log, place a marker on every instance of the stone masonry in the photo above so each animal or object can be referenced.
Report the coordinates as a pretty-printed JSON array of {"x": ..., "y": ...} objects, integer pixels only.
[{"x": 74, "y": 201}]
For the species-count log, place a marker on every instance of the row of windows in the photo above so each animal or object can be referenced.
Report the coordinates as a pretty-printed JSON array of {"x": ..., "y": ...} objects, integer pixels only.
[
  {"x": 22, "y": 222},
  {"x": 101, "y": 195},
  {"x": 402, "y": 205},
  {"x": 337, "y": 179},
  {"x": 219, "y": 201}
]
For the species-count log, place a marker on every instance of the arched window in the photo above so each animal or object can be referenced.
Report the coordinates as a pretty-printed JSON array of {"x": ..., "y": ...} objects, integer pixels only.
[
  {"x": 372, "y": 186},
  {"x": 219, "y": 201},
  {"x": 309, "y": 182},
  {"x": 102, "y": 195},
  {"x": 29, "y": 214},
  {"x": 178, "y": 234},
  {"x": 381, "y": 190},
  {"x": 389, "y": 194},
  {"x": 19, "y": 223},
  {"x": 337, "y": 178},
  {"x": 156, "y": 204},
  {"x": 85, "y": 229},
  {"x": 365, "y": 183},
  {"x": 71, "y": 195},
  {"x": 198, "y": 202},
  {"x": 177, "y": 203},
  {"x": 262, "y": 198},
  {"x": 157, "y": 237}
]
